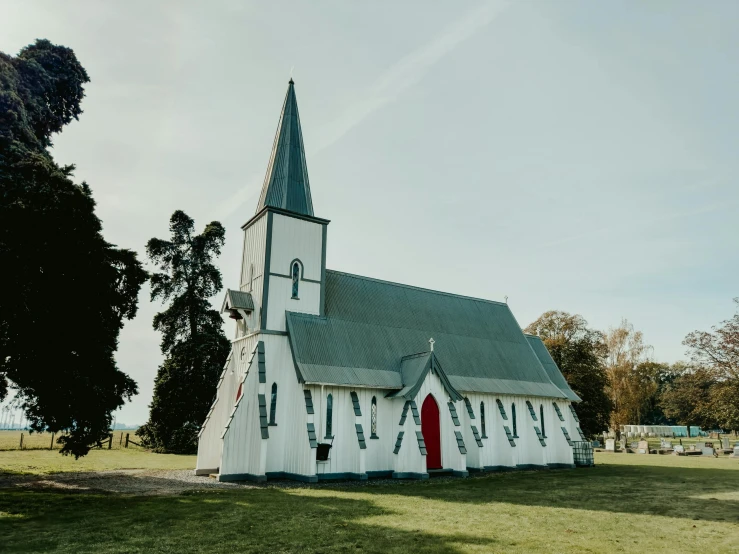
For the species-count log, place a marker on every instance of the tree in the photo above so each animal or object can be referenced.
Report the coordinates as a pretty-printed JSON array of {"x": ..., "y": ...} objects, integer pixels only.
[
  {"x": 192, "y": 336},
  {"x": 688, "y": 398},
  {"x": 579, "y": 353},
  {"x": 64, "y": 290},
  {"x": 718, "y": 350},
  {"x": 631, "y": 382}
]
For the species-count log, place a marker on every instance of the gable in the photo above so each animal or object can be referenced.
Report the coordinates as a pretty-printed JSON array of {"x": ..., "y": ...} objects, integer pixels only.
[{"x": 370, "y": 325}]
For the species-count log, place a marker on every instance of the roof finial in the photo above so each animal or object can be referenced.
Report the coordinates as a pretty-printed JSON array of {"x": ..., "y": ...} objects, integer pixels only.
[
  {"x": 431, "y": 342},
  {"x": 506, "y": 298},
  {"x": 291, "y": 76}
]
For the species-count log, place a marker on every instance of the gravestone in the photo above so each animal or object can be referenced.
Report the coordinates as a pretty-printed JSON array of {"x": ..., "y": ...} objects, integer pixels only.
[
  {"x": 664, "y": 443},
  {"x": 642, "y": 447},
  {"x": 596, "y": 444},
  {"x": 725, "y": 444},
  {"x": 610, "y": 445},
  {"x": 634, "y": 445},
  {"x": 708, "y": 451},
  {"x": 699, "y": 445},
  {"x": 679, "y": 448},
  {"x": 622, "y": 444},
  {"x": 736, "y": 451}
]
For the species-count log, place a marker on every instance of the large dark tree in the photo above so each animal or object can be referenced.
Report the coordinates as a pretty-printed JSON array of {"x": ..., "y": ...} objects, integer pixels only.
[
  {"x": 579, "y": 352},
  {"x": 64, "y": 291},
  {"x": 192, "y": 337}
]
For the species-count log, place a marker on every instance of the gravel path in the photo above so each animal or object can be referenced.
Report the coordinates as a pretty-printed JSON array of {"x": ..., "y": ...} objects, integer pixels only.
[{"x": 158, "y": 482}]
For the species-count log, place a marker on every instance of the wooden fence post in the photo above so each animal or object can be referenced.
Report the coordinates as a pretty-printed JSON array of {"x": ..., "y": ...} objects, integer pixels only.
[
  {"x": 21, "y": 441},
  {"x": 120, "y": 442},
  {"x": 126, "y": 440},
  {"x": 51, "y": 446},
  {"x": 110, "y": 441}
]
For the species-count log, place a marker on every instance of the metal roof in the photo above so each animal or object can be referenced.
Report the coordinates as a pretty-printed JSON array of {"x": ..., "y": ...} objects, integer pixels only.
[
  {"x": 237, "y": 300},
  {"x": 370, "y": 325},
  {"x": 413, "y": 371},
  {"x": 555, "y": 375},
  {"x": 286, "y": 183}
]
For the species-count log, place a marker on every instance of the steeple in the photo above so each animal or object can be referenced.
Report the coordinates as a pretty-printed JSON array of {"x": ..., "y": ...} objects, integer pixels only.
[{"x": 286, "y": 183}]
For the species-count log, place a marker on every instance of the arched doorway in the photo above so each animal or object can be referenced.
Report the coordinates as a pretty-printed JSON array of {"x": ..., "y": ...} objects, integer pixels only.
[{"x": 431, "y": 432}]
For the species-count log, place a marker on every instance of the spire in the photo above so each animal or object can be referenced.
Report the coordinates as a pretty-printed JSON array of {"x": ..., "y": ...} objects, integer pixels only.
[{"x": 286, "y": 183}]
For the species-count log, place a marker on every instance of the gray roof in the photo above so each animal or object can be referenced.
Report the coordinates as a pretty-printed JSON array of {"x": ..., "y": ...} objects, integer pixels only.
[
  {"x": 237, "y": 300},
  {"x": 370, "y": 326},
  {"x": 555, "y": 375},
  {"x": 413, "y": 371},
  {"x": 286, "y": 183}
]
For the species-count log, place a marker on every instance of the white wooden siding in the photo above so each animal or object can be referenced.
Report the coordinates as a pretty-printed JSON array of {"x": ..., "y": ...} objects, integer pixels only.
[{"x": 296, "y": 238}]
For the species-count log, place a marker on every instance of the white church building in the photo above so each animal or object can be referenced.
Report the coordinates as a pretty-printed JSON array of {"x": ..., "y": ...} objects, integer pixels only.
[{"x": 340, "y": 376}]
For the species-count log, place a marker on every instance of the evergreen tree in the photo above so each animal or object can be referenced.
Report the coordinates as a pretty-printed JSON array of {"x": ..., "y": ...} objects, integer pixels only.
[
  {"x": 192, "y": 338},
  {"x": 579, "y": 353},
  {"x": 64, "y": 291}
]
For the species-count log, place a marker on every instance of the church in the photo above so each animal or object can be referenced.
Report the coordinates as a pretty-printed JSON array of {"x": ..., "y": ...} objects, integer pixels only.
[{"x": 339, "y": 376}]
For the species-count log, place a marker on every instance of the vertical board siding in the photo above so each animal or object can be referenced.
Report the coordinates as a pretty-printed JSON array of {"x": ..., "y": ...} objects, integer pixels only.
[
  {"x": 296, "y": 238},
  {"x": 288, "y": 446},
  {"x": 280, "y": 300}
]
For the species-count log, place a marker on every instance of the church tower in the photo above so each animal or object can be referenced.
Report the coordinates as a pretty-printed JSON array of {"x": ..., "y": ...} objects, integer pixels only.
[{"x": 284, "y": 253}]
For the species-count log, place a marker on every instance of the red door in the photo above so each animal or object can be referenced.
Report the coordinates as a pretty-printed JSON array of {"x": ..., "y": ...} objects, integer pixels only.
[{"x": 431, "y": 433}]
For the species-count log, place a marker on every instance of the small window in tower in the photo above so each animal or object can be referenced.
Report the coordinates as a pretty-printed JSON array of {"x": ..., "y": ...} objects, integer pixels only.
[
  {"x": 482, "y": 420},
  {"x": 251, "y": 277},
  {"x": 273, "y": 405},
  {"x": 296, "y": 278},
  {"x": 373, "y": 416},
  {"x": 513, "y": 418},
  {"x": 329, "y": 415}
]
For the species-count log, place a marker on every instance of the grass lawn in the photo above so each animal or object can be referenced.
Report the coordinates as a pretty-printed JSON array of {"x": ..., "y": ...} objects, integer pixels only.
[
  {"x": 50, "y": 461},
  {"x": 626, "y": 503}
]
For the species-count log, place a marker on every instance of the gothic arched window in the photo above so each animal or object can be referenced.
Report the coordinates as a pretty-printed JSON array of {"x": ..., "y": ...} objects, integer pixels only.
[
  {"x": 273, "y": 405},
  {"x": 296, "y": 278},
  {"x": 373, "y": 418},
  {"x": 482, "y": 420},
  {"x": 513, "y": 418},
  {"x": 329, "y": 416},
  {"x": 541, "y": 416}
]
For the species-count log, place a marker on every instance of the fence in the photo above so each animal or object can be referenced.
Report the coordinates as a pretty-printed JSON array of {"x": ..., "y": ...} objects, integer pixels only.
[{"x": 23, "y": 440}]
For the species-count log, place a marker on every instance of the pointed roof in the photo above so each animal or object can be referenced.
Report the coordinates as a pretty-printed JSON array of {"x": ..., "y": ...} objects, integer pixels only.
[
  {"x": 413, "y": 371},
  {"x": 286, "y": 183}
]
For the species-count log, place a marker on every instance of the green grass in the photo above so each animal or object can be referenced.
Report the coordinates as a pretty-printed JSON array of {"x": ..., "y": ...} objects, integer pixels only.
[
  {"x": 48, "y": 461},
  {"x": 627, "y": 503},
  {"x": 11, "y": 440}
]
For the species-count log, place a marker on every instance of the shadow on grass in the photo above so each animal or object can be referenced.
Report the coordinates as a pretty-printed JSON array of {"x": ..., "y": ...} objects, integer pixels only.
[
  {"x": 666, "y": 491},
  {"x": 255, "y": 520}
]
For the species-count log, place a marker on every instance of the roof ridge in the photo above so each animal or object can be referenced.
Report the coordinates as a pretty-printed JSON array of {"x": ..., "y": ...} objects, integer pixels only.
[
  {"x": 416, "y": 288},
  {"x": 416, "y": 355}
]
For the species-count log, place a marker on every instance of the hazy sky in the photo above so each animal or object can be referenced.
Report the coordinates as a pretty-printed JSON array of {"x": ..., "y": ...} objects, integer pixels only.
[{"x": 572, "y": 155}]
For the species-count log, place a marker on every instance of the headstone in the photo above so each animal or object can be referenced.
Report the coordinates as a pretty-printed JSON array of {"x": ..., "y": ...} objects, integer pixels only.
[
  {"x": 679, "y": 448},
  {"x": 699, "y": 445},
  {"x": 708, "y": 451},
  {"x": 725, "y": 444},
  {"x": 634, "y": 445},
  {"x": 611, "y": 445},
  {"x": 642, "y": 447},
  {"x": 736, "y": 451},
  {"x": 622, "y": 444},
  {"x": 596, "y": 444},
  {"x": 665, "y": 443}
]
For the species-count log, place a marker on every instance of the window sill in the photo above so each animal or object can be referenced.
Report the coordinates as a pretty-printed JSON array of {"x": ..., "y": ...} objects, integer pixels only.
[
  {"x": 295, "y": 298},
  {"x": 484, "y": 437},
  {"x": 271, "y": 425},
  {"x": 374, "y": 437},
  {"x": 326, "y": 438}
]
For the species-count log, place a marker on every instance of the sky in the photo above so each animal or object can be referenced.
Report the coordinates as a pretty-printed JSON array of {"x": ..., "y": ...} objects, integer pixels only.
[{"x": 578, "y": 156}]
